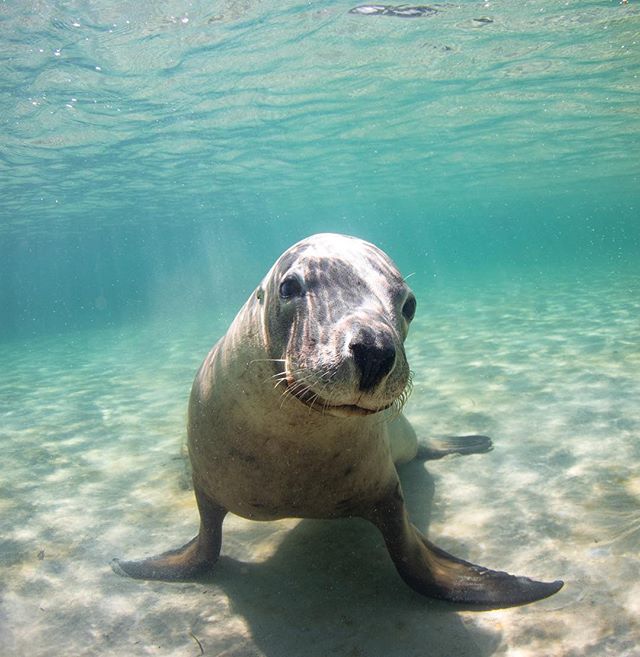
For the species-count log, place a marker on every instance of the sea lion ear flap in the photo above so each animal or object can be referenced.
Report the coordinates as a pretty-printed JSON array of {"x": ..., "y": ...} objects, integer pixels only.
[{"x": 260, "y": 294}]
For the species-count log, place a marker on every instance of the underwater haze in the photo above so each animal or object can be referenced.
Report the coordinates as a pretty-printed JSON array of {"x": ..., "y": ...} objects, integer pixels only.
[{"x": 155, "y": 160}]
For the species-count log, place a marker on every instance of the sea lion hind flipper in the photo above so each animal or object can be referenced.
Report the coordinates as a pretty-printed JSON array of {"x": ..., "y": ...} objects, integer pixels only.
[
  {"x": 437, "y": 448},
  {"x": 190, "y": 561},
  {"x": 431, "y": 571}
]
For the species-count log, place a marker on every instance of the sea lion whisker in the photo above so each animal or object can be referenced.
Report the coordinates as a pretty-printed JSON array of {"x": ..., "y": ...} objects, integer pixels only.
[
  {"x": 286, "y": 394},
  {"x": 277, "y": 374},
  {"x": 298, "y": 388},
  {"x": 282, "y": 376},
  {"x": 400, "y": 401},
  {"x": 299, "y": 384},
  {"x": 290, "y": 388},
  {"x": 312, "y": 402},
  {"x": 329, "y": 400},
  {"x": 395, "y": 410},
  {"x": 268, "y": 360},
  {"x": 279, "y": 377},
  {"x": 302, "y": 380},
  {"x": 327, "y": 383},
  {"x": 330, "y": 371}
]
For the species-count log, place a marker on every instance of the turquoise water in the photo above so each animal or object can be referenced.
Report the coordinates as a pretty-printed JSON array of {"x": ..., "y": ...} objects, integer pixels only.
[
  {"x": 186, "y": 141},
  {"x": 154, "y": 162}
]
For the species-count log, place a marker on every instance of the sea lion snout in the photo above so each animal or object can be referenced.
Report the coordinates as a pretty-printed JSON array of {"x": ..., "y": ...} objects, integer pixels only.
[
  {"x": 374, "y": 356},
  {"x": 357, "y": 367}
]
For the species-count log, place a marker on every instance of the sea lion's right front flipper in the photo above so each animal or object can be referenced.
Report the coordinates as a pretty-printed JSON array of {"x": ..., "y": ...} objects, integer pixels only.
[
  {"x": 435, "y": 573},
  {"x": 191, "y": 560}
]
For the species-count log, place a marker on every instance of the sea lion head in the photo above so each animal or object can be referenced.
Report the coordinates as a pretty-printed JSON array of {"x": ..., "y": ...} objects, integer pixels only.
[{"x": 336, "y": 312}]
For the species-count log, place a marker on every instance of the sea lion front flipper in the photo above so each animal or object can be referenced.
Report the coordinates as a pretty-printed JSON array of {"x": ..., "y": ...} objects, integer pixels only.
[
  {"x": 431, "y": 571},
  {"x": 191, "y": 560},
  {"x": 476, "y": 586},
  {"x": 437, "y": 448}
]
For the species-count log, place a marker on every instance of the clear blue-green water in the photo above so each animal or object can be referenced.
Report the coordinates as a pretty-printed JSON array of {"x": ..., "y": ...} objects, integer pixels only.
[{"x": 156, "y": 158}]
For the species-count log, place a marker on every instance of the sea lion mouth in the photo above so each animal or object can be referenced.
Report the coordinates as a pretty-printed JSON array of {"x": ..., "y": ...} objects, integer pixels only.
[{"x": 321, "y": 405}]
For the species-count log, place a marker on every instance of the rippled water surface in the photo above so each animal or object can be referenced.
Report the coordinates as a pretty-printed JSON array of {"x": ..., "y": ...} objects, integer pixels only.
[{"x": 156, "y": 158}]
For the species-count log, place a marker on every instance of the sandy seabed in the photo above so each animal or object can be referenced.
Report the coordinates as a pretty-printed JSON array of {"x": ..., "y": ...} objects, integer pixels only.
[{"x": 91, "y": 430}]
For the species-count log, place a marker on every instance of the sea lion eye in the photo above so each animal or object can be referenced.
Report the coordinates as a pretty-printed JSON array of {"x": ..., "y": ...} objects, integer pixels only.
[
  {"x": 290, "y": 287},
  {"x": 409, "y": 308}
]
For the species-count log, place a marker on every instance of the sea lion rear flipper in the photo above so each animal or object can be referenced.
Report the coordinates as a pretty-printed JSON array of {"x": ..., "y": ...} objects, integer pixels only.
[
  {"x": 437, "y": 448},
  {"x": 431, "y": 571},
  {"x": 189, "y": 561}
]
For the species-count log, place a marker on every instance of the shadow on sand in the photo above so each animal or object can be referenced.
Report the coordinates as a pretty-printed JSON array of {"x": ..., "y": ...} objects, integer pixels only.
[{"x": 331, "y": 589}]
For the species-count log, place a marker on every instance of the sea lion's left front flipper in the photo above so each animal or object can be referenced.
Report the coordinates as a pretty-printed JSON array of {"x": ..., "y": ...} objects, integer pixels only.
[{"x": 433, "y": 572}]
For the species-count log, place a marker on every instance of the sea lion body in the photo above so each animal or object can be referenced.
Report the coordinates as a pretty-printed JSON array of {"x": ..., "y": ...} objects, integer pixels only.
[
  {"x": 296, "y": 412},
  {"x": 276, "y": 473},
  {"x": 274, "y": 456}
]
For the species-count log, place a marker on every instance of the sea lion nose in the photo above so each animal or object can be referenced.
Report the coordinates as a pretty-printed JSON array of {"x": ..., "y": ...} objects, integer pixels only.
[{"x": 374, "y": 361}]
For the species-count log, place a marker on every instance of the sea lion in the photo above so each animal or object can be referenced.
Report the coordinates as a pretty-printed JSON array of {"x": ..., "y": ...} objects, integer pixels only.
[{"x": 296, "y": 412}]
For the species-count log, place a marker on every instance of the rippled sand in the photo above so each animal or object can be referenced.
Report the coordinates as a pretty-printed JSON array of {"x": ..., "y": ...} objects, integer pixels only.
[{"x": 91, "y": 430}]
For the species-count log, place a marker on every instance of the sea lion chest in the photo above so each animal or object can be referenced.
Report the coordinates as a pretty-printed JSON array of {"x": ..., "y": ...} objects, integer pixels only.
[{"x": 263, "y": 457}]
